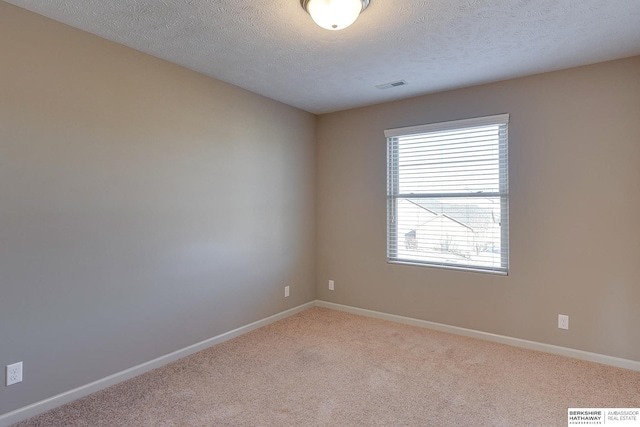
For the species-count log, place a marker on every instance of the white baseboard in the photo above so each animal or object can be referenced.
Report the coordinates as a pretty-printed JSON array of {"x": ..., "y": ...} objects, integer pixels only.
[
  {"x": 516, "y": 342},
  {"x": 71, "y": 395}
]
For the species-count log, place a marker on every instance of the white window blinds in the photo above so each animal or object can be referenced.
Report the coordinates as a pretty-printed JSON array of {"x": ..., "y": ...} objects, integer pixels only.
[{"x": 448, "y": 194}]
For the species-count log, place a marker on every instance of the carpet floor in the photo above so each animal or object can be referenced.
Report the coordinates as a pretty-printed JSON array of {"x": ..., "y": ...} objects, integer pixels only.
[{"x": 323, "y": 367}]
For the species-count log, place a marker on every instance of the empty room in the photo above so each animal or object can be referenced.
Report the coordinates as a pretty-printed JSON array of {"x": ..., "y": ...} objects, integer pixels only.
[{"x": 319, "y": 213}]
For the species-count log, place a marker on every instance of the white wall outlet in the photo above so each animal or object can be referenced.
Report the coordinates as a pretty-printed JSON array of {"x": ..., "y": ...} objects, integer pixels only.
[
  {"x": 14, "y": 373},
  {"x": 286, "y": 291},
  {"x": 563, "y": 321},
  {"x": 331, "y": 285}
]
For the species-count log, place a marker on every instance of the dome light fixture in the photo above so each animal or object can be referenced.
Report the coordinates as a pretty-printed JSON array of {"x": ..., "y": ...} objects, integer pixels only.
[{"x": 334, "y": 14}]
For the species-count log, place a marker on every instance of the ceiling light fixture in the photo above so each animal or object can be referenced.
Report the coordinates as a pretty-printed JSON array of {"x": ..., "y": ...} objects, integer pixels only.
[{"x": 334, "y": 14}]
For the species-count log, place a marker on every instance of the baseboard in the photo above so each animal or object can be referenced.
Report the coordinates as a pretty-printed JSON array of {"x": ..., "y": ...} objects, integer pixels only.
[
  {"x": 516, "y": 342},
  {"x": 71, "y": 395}
]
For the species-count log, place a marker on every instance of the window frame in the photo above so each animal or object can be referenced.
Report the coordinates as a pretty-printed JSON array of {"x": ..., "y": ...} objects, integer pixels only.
[{"x": 393, "y": 195}]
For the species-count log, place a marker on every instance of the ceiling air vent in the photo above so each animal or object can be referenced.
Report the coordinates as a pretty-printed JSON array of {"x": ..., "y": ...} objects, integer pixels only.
[{"x": 392, "y": 84}]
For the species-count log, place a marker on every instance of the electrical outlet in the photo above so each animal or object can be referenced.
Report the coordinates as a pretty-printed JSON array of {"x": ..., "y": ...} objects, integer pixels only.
[
  {"x": 286, "y": 291},
  {"x": 14, "y": 373},
  {"x": 331, "y": 285},
  {"x": 563, "y": 321}
]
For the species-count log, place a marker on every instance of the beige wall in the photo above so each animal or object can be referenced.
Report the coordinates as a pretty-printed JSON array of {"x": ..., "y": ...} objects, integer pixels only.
[
  {"x": 574, "y": 152},
  {"x": 143, "y": 207}
]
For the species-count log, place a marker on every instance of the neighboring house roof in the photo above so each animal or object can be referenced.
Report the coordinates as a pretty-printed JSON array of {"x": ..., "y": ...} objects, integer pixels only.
[
  {"x": 437, "y": 215},
  {"x": 469, "y": 215}
]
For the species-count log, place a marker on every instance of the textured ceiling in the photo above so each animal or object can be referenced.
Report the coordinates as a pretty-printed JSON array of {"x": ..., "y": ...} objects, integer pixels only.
[{"x": 272, "y": 47}]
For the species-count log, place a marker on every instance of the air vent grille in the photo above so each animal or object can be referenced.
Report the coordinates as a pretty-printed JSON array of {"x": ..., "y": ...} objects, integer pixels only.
[{"x": 392, "y": 84}]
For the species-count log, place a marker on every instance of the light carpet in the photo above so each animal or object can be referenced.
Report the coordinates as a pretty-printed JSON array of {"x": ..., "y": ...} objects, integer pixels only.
[{"x": 324, "y": 367}]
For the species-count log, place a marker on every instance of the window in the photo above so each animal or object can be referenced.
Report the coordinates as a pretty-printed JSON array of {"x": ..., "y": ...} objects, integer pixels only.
[{"x": 448, "y": 194}]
